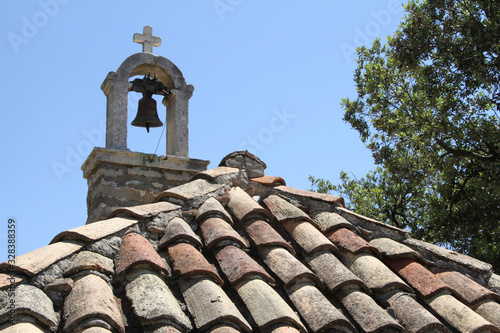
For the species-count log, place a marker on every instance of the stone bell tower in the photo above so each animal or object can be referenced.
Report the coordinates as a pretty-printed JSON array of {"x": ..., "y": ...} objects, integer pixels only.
[{"x": 115, "y": 175}]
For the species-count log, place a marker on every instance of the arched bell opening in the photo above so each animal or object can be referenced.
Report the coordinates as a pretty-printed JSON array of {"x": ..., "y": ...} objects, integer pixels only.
[{"x": 146, "y": 121}]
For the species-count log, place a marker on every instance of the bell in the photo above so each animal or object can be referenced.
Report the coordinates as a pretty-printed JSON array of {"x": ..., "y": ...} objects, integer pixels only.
[{"x": 147, "y": 116}]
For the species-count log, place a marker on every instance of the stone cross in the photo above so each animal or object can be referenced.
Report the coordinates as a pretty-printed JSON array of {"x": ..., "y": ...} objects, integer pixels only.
[{"x": 147, "y": 39}]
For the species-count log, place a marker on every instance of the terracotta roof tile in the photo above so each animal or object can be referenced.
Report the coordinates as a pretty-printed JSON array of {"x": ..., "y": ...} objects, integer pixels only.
[
  {"x": 90, "y": 260},
  {"x": 195, "y": 298},
  {"x": 144, "y": 211},
  {"x": 153, "y": 302},
  {"x": 288, "y": 268},
  {"x": 222, "y": 329},
  {"x": 319, "y": 314},
  {"x": 418, "y": 276},
  {"x": 178, "y": 229},
  {"x": 215, "y": 230},
  {"x": 327, "y": 198},
  {"x": 308, "y": 237},
  {"x": 243, "y": 206},
  {"x": 489, "y": 309},
  {"x": 97, "y": 230},
  {"x": 378, "y": 228},
  {"x": 209, "y": 304},
  {"x": 413, "y": 316},
  {"x": 264, "y": 235},
  {"x": 374, "y": 273},
  {"x": 395, "y": 250},
  {"x": 193, "y": 189},
  {"x": 367, "y": 313},
  {"x": 269, "y": 180},
  {"x": 137, "y": 251},
  {"x": 237, "y": 265},
  {"x": 8, "y": 280},
  {"x": 471, "y": 291},
  {"x": 217, "y": 173},
  {"x": 91, "y": 298},
  {"x": 266, "y": 306},
  {"x": 21, "y": 328},
  {"x": 332, "y": 271},
  {"x": 448, "y": 257},
  {"x": 327, "y": 221},
  {"x": 458, "y": 315},
  {"x": 212, "y": 207},
  {"x": 36, "y": 261},
  {"x": 348, "y": 240},
  {"x": 29, "y": 300},
  {"x": 285, "y": 211},
  {"x": 285, "y": 329},
  {"x": 188, "y": 261}
]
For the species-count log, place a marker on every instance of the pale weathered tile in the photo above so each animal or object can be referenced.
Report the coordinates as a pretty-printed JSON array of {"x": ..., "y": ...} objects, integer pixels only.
[
  {"x": 188, "y": 191},
  {"x": 209, "y": 304},
  {"x": 21, "y": 328},
  {"x": 90, "y": 260},
  {"x": 178, "y": 229},
  {"x": 308, "y": 237},
  {"x": 212, "y": 207},
  {"x": 374, "y": 273},
  {"x": 91, "y": 297},
  {"x": 413, "y": 316},
  {"x": 458, "y": 315},
  {"x": 29, "y": 300},
  {"x": 367, "y": 313},
  {"x": 145, "y": 211},
  {"x": 265, "y": 305},
  {"x": 37, "y": 260},
  {"x": 153, "y": 302},
  {"x": 490, "y": 310},
  {"x": 97, "y": 230},
  {"x": 332, "y": 271},
  {"x": 327, "y": 221},
  {"x": 317, "y": 311},
  {"x": 283, "y": 211},
  {"x": 288, "y": 268}
]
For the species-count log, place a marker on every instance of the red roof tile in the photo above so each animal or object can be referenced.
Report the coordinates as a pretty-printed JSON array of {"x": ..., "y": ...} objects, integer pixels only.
[
  {"x": 418, "y": 276},
  {"x": 264, "y": 235},
  {"x": 237, "y": 265},
  {"x": 348, "y": 240},
  {"x": 138, "y": 251},
  {"x": 269, "y": 180},
  {"x": 243, "y": 206},
  {"x": 471, "y": 291},
  {"x": 215, "y": 230},
  {"x": 188, "y": 261}
]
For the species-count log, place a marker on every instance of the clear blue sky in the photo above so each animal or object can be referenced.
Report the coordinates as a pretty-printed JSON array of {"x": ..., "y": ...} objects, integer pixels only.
[{"x": 248, "y": 61}]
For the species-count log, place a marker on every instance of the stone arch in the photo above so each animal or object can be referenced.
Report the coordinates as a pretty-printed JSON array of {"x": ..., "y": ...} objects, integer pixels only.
[{"x": 116, "y": 87}]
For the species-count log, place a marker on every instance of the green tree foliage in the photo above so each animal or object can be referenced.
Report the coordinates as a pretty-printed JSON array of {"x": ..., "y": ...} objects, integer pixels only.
[{"x": 427, "y": 106}]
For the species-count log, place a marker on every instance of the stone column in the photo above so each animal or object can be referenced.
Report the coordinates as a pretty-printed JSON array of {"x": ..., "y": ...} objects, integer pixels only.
[
  {"x": 116, "y": 92},
  {"x": 177, "y": 122}
]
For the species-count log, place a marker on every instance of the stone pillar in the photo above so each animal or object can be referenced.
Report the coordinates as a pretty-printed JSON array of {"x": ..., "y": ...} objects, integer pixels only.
[
  {"x": 116, "y": 92},
  {"x": 177, "y": 122}
]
